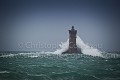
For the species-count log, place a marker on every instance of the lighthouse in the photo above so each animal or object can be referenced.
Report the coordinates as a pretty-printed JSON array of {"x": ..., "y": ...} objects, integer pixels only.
[
  {"x": 73, "y": 49},
  {"x": 72, "y": 40}
]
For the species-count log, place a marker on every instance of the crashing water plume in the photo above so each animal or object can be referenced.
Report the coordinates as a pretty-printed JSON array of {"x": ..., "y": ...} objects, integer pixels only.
[{"x": 86, "y": 49}]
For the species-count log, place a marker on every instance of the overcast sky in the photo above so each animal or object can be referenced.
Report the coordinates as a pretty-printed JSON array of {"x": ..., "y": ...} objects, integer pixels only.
[{"x": 48, "y": 22}]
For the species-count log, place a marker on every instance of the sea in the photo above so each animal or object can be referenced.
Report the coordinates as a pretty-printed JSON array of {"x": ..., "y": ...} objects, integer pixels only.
[
  {"x": 92, "y": 64},
  {"x": 49, "y": 66}
]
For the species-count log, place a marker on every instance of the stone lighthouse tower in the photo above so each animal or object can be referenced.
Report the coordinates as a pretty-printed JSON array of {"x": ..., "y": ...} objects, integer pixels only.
[
  {"x": 72, "y": 41},
  {"x": 72, "y": 49}
]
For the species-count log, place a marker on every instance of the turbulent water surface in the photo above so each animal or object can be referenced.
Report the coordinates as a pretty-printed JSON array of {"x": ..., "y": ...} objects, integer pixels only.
[
  {"x": 91, "y": 65},
  {"x": 39, "y": 66}
]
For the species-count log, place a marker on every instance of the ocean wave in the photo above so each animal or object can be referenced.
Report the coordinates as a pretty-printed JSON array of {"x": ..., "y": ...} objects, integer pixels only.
[
  {"x": 51, "y": 54},
  {"x": 41, "y": 76},
  {"x": 2, "y": 72},
  {"x": 86, "y": 49},
  {"x": 73, "y": 76},
  {"x": 111, "y": 79}
]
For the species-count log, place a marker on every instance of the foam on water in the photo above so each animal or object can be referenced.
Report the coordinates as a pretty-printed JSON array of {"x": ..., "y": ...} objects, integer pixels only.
[
  {"x": 63, "y": 47},
  {"x": 2, "y": 72},
  {"x": 86, "y": 49}
]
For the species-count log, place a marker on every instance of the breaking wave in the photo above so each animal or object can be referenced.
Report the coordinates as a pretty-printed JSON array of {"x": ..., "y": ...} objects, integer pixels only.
[
  {"x": 2, "y": 72},
  {"x": 86, "y": 49}
]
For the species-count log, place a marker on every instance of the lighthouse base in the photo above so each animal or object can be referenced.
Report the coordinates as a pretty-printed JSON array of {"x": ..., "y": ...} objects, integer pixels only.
[{"x": 78, "y": 51}]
